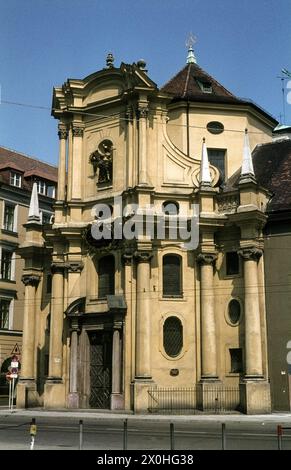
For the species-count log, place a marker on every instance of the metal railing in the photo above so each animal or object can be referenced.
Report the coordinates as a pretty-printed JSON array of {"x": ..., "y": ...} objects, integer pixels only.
[{"x": 215, "y": 399}]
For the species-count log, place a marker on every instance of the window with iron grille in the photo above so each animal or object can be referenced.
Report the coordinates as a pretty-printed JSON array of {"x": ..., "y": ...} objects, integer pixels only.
[
  {"x": 4, "y": 314},
  {"x": 9, "y": 217},
  {"x": 172, "y": 276},
  {"x": 232, "y": 263},
  {"x": 173, "y": 336},
  {"x": 236, "y": 361},
  {"x": 106, "y": 275},
  {"x": 6, "y": 262},
  {"x": 234, "y": 311}
]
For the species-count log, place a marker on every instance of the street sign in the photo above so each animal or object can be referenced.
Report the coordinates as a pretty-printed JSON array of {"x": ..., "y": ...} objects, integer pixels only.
[{"x": 15, "y": 350}]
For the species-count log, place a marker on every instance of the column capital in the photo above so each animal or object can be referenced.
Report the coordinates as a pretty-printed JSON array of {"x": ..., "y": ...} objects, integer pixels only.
[
  {"x": 206, "y": 258},
  {"x": 62, "y": 131},
  {"x": 143, "y": 256},
  {"x": 78, "y": 131},
  {"x": 75, "y": 324},
  {"x": 74, "y": 266},
  {"x": 127, "y": 259},
  {"x": 30, "y": 279},
  {"x": 251, "y": 253},
  {"x": 57, "y": 268},
  {"x": 117, "y": 325},
  {"x": 142, "y": 112}
]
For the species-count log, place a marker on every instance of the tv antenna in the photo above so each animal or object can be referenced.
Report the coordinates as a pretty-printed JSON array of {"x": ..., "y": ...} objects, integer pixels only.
[{"x": 286, "y": 76}]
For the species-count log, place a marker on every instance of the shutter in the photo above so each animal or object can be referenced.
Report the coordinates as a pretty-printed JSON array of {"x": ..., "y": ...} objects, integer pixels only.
[
  {"x": 106, "y": 276},
  {"x": 172, "y": 276}
]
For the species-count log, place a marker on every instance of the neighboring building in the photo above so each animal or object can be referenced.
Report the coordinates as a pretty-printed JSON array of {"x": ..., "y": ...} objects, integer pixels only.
[
  {"x": 129, "y": 317},
  {"x": 272, "y": 164},
  {"x": 17, "y": 174}
]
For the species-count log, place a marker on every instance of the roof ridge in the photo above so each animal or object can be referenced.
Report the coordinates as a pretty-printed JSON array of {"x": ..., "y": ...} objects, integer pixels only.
[
  {"x": 187, "y": 81},
  {"x": 215, "y": 81},
  {"x": 173, "y": 78},
  {"x": 28, "y": 157}
]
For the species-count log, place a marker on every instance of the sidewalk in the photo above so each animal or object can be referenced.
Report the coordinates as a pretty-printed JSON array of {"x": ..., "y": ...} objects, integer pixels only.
[{"x": 281, "y": 418}]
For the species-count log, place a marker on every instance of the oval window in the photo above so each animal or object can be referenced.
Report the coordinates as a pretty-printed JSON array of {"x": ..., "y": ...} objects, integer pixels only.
[
  {"x": 173, "y": 336},
  {"x": 234, "y": 311},
  {"x": 215, "y": 127}
]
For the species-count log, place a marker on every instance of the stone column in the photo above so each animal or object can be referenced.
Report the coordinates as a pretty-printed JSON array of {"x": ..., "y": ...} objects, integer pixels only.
[
  {"x": 55, "y": 388},
  {"x": 253, "y": 339},
  {"x": 26, "y": 389},
  {"x": 142, "y": 171},
  {"x": 254, "y": 389},
  {"x": 63, "y": 134},
  {"x": 77, "y": 161},
  {"x": 116, "y": 395},
  {"x": 73, "y": 395},
  {"x": 28, "y": 339},
  {"x": 56, "y": 326},
  {"x": 143, "y": 330},
  {"x": 208, "y": 330}
]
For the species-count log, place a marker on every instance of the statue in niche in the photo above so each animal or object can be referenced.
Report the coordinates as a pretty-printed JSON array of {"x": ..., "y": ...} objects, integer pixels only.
[{"x": 102, "y": 161}]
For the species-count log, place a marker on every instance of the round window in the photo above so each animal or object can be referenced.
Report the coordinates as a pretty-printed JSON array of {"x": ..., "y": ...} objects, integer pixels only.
[
  {"x": 215, "y": 127},
  {"x": 234, "y": 311}
]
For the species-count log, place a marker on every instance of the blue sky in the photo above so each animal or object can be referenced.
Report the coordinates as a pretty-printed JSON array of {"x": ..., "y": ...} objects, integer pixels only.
[{"x": 243, "y": 44}]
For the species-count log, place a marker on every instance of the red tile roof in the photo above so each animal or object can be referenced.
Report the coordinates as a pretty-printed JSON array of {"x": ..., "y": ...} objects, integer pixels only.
[
  {"x": 272, "y": 167},
  {"x": 30, "y": 166},
  {"x": 185, "y": 86}
]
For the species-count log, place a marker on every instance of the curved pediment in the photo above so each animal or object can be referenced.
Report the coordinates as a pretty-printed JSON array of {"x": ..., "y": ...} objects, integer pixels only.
[{"x": 101, "y": 91}]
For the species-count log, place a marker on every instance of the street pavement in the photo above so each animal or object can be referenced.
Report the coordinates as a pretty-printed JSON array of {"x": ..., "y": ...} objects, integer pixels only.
[{"x": 105, "y": 430}]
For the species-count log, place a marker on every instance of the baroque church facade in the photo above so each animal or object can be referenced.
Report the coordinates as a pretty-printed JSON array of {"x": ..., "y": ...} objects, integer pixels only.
[{"x": 127, "y": 317}]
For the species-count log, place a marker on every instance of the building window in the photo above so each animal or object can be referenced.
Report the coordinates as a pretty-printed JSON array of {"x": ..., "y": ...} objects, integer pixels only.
[
  {"x": 45, "y": 217},
  {"x": 4, "y": 314},
  {"x": 236, "y": 363},
  {"x": 9, "y": 212},
  {"x": 172, "y": 276},
  {"x": 106, "y": 276},
  {"x": 206, "y": 87},
  {"x": 215, "y": 127},
  {"x": 170, "y": 208},
  {"x": 173, "y": 336},
  {"x": 51, "y": 191},
  {"x": 15, "y": 179},
  {"x": 217, "y": 158},
  {"x": 41, "y": 187},
  {"x": 6, "y": 263},
  {"x": 234, "y": 311},
  {"x": 232, "y": 263}
]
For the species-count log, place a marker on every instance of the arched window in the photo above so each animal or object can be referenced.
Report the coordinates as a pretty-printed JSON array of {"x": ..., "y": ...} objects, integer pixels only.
[
  {"x": 173, "y": 336},
  {"x": 106, "y": 274},
  {"x": 172, "y": 276},
  {"x": 170, "y": 208},
  {"x": 234, "y": 311}
]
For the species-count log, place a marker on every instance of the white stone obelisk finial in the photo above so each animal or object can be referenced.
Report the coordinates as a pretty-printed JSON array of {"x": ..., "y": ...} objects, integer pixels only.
[
  {"x": 247, "y": 169},
  {"x": 34, "y": 214},
  {"x": 205, "y": 178}
]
